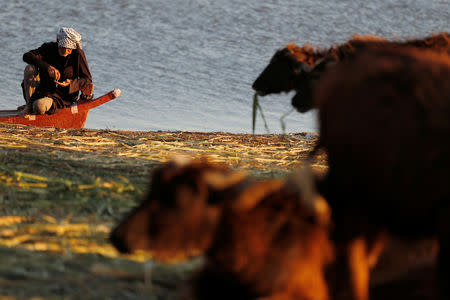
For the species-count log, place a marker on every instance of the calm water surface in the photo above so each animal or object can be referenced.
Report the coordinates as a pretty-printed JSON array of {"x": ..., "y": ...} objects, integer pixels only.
[{"x": 189, "y": 64}]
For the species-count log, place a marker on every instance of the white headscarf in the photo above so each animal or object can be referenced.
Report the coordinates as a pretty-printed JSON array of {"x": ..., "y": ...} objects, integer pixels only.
[{"x": 69, "y": 38}]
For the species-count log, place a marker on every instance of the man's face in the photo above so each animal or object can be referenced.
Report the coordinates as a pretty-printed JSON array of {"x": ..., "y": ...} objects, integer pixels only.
[{"x": 64, "y": 51}]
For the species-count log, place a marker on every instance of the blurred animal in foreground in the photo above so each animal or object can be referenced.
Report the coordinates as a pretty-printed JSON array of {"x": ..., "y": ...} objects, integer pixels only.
[
  {"x": 272, "y": 243},
  {"x": 179, "y": 214},
  {"x": 384, "y": 122},
  {"x": 300, "y": 68},
  {"x": 261, "y": 238}
]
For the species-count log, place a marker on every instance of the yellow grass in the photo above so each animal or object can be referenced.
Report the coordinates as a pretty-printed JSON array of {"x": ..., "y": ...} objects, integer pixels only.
[{"x": 61, "y": 192}]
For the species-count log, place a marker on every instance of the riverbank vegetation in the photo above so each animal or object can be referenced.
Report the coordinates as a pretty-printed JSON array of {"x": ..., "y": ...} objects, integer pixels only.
[{"x": 61, "y": 191}]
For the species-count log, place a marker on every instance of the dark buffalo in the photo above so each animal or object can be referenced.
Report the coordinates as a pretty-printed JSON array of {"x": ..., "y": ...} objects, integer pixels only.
[
  {"x": 300, "y": 68},
  {"x": 385, "y": 125},
  {"x": 286, "y": 69}
]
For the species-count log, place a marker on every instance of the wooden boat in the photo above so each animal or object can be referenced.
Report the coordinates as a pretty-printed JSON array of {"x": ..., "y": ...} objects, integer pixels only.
[{"x": 71, "y": 117}]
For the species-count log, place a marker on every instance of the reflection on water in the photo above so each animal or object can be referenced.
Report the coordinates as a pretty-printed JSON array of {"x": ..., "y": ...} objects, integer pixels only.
[{"x": 189, "y": 65}]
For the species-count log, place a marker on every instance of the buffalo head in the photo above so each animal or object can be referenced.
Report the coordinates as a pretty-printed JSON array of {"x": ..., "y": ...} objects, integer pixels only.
[
  {"x": 180, "y": 212},
  {"x": 281, "y": 74}
]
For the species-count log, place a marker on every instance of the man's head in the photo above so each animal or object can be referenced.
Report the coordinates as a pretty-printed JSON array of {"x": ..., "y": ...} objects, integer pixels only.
[{"x": 68, "y": 39}]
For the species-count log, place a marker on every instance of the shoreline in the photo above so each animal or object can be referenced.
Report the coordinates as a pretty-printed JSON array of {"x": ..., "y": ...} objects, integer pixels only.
[{"x": 259, "y": 151}]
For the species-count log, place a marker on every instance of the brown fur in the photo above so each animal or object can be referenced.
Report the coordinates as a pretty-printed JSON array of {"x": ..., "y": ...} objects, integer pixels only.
[
  {"x": 439, "y": 43},
  {"x": 273, "y": 249},
  {"x": 263, "y": 238},
  {"x": 299, "y": 68},
  {"x": 305, "y": 54},
  {"x": 181, "y": 210},
  {"x": 385, "y": 125}
]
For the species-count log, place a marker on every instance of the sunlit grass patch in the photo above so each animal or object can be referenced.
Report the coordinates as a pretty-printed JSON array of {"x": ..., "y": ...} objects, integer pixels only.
[
  {"x": 61, "y": 191},
  {"x": 60, "y": 238}
]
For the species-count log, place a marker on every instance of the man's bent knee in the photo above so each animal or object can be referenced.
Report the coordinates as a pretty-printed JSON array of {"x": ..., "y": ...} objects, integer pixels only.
[
  {"x": 41, "y": 106},
  {"x": 30, "y": 71},
  {"x": 30, "y": 82}
]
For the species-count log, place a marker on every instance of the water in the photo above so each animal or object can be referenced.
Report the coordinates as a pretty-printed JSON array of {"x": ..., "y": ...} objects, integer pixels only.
[{"x": 189, "y": 64}]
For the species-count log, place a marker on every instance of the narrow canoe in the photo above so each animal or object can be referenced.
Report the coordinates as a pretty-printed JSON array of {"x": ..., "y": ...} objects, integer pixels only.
[{"x": 71, "y": 117}]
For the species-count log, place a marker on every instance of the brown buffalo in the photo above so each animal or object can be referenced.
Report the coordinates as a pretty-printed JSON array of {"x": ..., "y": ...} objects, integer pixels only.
[
  {"x": 384, "y": 121},
  {"x": 271, "y": 243},
  {"x": 180, "y": 212},
  {"x": 300, "y": 68},
  {"x": 263, "y": 238}
]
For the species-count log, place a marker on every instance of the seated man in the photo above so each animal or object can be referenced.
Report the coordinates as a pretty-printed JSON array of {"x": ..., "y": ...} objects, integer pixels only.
[{"x": 55, "y": 74}]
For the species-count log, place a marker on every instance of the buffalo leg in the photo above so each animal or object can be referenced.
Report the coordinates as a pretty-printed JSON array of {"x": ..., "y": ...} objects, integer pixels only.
[
  {"x": 359, "y": 267},
  {"x": 443, "y": 260},
  {"x": 376, "y": 248}
]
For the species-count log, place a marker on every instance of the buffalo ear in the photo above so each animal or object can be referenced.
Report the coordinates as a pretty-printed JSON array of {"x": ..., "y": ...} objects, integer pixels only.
[
  {"x": 180, "y": 160},
  {"x": 166, "y": 171},
  {"x": 253, "y": 195},
  {"x": 307, "y": 68},
  {"x": 323, "y": 64},
  {"x": 302, "y": 180},
  {"x": 220, "y": 180},
  {"x": 298, "y": 67},
  {"x": 301, "y": 68}
]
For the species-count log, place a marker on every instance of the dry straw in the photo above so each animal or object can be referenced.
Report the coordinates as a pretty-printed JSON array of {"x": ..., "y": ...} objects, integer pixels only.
[{"x": 62, "y": 190}]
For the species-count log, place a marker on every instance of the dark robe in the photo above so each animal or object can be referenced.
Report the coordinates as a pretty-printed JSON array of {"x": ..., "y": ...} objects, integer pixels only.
[{"x": 74, "y": 66}]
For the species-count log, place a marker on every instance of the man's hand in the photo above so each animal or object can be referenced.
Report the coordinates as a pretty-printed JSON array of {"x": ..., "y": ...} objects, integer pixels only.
[
  {"x": 64, "y": 83},
  {"x": 53, "y": 73}
]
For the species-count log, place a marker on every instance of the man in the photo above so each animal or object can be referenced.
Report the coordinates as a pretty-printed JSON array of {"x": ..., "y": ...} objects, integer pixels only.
[{"x": 55, "y": 74}]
